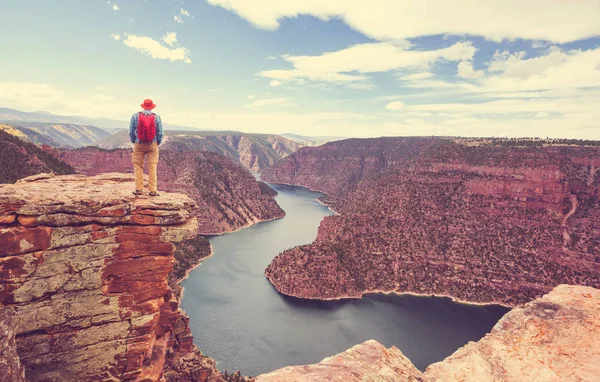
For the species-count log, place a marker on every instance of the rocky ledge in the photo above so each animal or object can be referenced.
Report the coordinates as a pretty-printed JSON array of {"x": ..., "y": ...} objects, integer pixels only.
[
  {"x": 84, "y": 265},
  {"x": 553, "y": 338}
]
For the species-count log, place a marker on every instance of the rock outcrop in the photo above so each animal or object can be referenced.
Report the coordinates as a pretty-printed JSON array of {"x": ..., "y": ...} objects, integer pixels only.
[
  {"x": 554, "y": 338},
  {"x": 483, "y": 222},
  {"x": 11, "y": 369},
  {"x": 369, "y": 361},
  {"x": 227, "y": 195},
  {"x": 85, "y": 264}
]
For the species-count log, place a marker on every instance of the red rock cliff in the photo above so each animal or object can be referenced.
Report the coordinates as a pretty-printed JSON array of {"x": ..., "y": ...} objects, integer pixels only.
[
  {"x": 484, "y": 223},
  {"x": 85, "y": 265}
]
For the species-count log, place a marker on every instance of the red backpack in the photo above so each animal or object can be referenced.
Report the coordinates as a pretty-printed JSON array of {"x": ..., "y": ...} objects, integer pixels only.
[{"x": 146, "y": 128}]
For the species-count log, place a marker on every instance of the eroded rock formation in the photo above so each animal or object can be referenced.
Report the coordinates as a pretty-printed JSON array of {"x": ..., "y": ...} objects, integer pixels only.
[
  {"x": 227, "y": 195},
  {"x": 481, "y": 222},
  {"x": 85, "y": 264},
  {"x": 11, "y": 369},
  {"x": 554, "y": 338}
]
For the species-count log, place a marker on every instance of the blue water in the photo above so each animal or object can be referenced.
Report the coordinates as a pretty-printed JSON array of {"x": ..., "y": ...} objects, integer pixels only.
[{"x": 240, "y": 320}]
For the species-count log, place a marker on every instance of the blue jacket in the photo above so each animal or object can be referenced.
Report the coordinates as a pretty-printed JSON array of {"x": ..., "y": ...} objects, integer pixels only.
[{"x": 133, "y": 128}]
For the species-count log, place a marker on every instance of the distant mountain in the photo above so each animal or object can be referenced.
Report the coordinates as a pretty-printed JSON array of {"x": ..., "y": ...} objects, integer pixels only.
[
  {"x": 11, "y": 116},
  {"x": 57, "y": 135},
  {"x": 254, "y": 151},
  {"x": 19, "y": 159},
  {"x": 310, "y": 141}
]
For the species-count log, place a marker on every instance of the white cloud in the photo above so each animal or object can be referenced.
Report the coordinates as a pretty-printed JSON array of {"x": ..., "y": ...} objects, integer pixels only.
[
  {"x": 155, "y": 49},
  {"x": 115, "y": 7},
  {"x": 397, "y": 105},
  {"x": 465, "y": 70},
  {"x": 115, "y": 36},
  {"x": 281, "y": 101},
  {"x": 169, "y": 38},
  {"x": 182, "y": 14},
  {"x": 251, "y": 96},
  {"x": 556, "y": 21},
  {"x": 349, "y": 65},
  {"x": 271, "y": 58},
  {"x": 556, "y": 70}
]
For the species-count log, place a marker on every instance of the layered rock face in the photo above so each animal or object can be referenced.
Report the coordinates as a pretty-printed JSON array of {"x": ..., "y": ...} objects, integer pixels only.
[
  {"x": 11, "y": 369},
  {"x": 227, "y": 195},
  {"x": 554, "y": 338},
  {"x": 254, "y": 151},
  {"x": 484, "y": 223},
  {"x": 85, "y": 264}
]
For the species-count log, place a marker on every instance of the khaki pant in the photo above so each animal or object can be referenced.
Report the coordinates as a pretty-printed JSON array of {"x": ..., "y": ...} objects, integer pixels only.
[{"x": 140, "y": 150}]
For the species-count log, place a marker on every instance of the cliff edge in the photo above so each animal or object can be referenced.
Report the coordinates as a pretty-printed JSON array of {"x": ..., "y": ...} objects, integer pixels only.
[
  {"x": 553, "y": 338},
  {"x": 84, "y": 265}
]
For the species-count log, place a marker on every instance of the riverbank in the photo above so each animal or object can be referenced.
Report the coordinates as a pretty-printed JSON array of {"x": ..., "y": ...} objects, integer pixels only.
[{"x": 395, "y": 293}]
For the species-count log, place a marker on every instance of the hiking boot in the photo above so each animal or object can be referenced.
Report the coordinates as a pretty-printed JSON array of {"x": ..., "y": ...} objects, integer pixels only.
[
  {"x": 154, "y": 193},
  {"x": 137, "y": 192}
]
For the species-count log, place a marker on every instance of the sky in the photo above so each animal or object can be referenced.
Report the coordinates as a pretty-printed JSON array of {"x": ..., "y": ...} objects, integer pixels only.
[{"x": 361, "y": 68}]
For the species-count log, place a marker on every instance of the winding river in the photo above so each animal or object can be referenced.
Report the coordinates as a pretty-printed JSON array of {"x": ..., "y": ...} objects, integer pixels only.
[{"x": 240, "y": 320}]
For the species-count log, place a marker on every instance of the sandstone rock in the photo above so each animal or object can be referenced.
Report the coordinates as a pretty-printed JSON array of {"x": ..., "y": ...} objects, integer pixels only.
[
  {"x": 85, "y": 265},
  {"x": 10, "y": 364},
  {"x": 369, "y": 361},
  {"x": 554, "y": 338}
]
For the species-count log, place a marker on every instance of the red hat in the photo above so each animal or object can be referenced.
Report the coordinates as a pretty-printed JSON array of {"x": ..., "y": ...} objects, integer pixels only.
[{"x": 148, "y": 104}]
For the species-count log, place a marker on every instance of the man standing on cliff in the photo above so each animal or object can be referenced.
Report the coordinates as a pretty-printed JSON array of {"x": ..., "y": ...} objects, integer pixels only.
[{"x": 145, "y": 132}]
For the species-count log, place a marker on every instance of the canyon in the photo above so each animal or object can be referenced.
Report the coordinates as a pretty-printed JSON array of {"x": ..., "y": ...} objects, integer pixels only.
[
  {"x": 84, "y": 265},
  {"x": 479, "y": 221},
  {"x": 254, "y": 151},
  {"x": 89, "y": 273}
]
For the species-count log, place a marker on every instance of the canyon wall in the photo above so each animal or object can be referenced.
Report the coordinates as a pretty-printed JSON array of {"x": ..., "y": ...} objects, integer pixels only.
[
  {"x": 482, "y": 223},
  {"x": 84, "y": 264},
  {"x": 19, "y": 159},
  {"x": 254, "y": 151},
  {"x": 227, "y": 195},
  {"x": 554, "y": 338}
]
